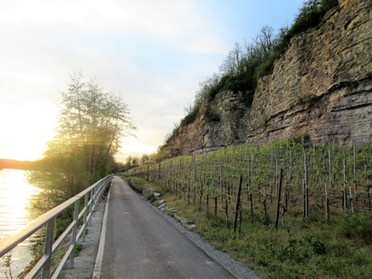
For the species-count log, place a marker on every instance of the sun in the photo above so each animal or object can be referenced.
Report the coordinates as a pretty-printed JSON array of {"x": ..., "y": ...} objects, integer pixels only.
[{"x": 27, "y": 130}]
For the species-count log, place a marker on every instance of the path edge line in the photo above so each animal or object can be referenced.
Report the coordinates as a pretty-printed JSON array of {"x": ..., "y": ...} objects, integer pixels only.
[{"x": 99, "y": 258}]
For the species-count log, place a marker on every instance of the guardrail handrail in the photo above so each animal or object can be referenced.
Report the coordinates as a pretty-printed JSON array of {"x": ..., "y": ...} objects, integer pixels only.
[{"x": 91, "y": 196}]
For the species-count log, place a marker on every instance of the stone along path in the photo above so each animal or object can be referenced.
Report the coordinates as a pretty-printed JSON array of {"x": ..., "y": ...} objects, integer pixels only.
[{"x": 140, "y": 243}]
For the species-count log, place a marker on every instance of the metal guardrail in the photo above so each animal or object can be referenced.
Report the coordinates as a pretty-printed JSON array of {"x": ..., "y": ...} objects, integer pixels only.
[{"x": 91, "y": 197}]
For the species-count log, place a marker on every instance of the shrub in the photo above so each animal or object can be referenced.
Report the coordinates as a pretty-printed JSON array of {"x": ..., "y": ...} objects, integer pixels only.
[
  {"x": 309, "y": 99},
  {"x": 150, "y": 197},
  {"x": 358, "y": 226},
  {"x": 212, "y": 117},
  {"x": 310, "y": 16},
  {"x": 240, "y": 83},
  {"x": 78, "y": 248},
  {"x": 189, "y": 118},
  {"x": 216, "y": 88},
  {"x": 169, "y": 137}
]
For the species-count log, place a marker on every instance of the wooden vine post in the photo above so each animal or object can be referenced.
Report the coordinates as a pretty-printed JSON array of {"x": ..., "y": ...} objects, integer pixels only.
[
  {"x": 279, "y": 196},
  {"x": 148, "y": 172},
  {"x": 193, "y": 166},
  {"x": 354, "y": 181},
  {"x": 306, "y": 187},
  {"x": 344, "y": 192},
  {"x": 329, "y": 186},
  {"x": 250, "y": 190},
  {"x": 368, "y": 184},
  {"x": 238, "y": 204},
  {"x": 227, "y": 205}
]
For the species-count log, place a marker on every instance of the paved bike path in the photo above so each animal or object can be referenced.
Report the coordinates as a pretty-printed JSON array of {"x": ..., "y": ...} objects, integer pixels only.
[{"x": 140, "y": 243}]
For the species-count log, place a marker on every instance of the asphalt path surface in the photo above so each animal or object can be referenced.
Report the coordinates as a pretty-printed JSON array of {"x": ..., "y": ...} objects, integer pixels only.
[{"x": 140, "y": 243}]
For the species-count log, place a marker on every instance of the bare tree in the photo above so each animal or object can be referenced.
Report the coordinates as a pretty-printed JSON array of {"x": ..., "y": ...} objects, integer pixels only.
[
  {"x": 232, "y": 61},
  {"x": 265, "y": 40}
]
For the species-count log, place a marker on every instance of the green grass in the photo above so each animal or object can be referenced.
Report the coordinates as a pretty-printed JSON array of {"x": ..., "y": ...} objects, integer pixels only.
[
  {"x": 143, "y": 182},
  {"x": 78, "y": 248},
  {"x": 298, "y": 249}
]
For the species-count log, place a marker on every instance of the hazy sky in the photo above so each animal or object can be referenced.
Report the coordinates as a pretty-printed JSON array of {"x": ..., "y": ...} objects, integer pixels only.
[{"x": 153, "y": 53}]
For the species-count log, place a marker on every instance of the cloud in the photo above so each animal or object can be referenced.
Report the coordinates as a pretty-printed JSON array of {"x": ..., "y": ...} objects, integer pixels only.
[
  {"x": 152, "y": 53},
  {"x": 160, "y": 18}
]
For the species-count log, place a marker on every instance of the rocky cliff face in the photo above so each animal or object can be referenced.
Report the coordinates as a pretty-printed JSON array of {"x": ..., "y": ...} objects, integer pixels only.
[
  {"x": 222, "y": 122},
  {"x": 321, "y": 86}
]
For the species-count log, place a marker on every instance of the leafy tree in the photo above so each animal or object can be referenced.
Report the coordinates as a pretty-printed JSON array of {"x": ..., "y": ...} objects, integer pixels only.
[
  {"x": 145, "y": 158},
  {"x": 131, "y": 162},
  {"x": 91, "y": 124}
]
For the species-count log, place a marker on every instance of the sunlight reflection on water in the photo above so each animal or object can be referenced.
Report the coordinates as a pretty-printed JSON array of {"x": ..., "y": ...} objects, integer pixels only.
[{"x": 15, "y": 196}]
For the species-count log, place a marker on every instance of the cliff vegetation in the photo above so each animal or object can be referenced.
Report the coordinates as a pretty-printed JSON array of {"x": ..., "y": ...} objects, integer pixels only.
[{"x": 312, "y": 78}]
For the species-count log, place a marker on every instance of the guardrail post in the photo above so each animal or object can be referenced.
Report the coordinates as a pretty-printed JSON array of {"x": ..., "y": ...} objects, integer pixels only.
[
  {"x": 90, "y": 205},
  {"x": 94, "y": 197},
  {"x": 74, "y": 233},
  {"x": 101, "y": 188},
  {"x": 85, "y": 215},
  {"x": 48, "y": 248}
]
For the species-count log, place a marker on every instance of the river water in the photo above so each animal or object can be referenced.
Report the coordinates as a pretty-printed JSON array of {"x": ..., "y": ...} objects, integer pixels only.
[{"x": 15, "y": 196}]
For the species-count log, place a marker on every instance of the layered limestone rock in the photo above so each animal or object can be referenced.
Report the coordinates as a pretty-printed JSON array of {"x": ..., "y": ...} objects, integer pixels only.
[{"x": 321, "y": 86}]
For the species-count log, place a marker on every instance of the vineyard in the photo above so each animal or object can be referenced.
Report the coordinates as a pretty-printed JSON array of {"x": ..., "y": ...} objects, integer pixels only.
[
  {"x": 290, "y": 209},
  {"x": 267, "y": 183}
]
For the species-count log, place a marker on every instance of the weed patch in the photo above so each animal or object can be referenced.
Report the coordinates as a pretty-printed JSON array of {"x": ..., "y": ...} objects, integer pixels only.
[{"x": 358, "y": 226}]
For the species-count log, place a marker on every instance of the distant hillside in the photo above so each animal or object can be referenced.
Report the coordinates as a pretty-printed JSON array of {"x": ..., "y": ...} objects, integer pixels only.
[
  {"x": 14, "y": 164},
  {"x": 314, "y": 80}
]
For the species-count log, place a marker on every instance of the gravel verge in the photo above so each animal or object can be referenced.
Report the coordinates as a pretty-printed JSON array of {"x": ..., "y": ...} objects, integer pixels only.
[{"x": 85, "y": 261}]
